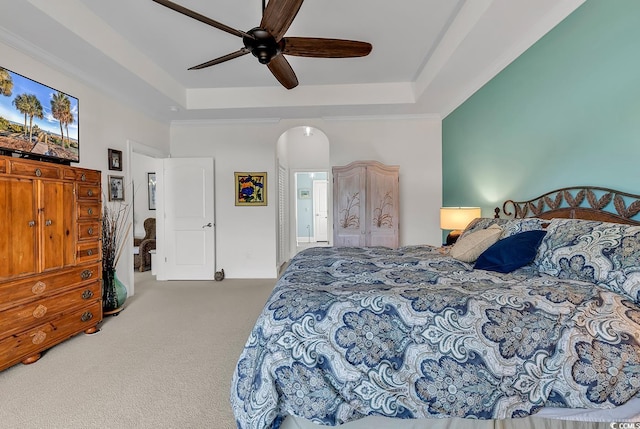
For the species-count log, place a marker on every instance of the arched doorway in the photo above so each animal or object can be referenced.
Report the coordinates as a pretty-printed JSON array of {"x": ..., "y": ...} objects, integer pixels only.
[{"x": 304, "y": 211}]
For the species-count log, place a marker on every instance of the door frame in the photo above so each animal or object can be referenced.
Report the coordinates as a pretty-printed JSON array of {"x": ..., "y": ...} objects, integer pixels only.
[
  {"x": 127, "y": 270},
  {"x": 293, "y": 212}
]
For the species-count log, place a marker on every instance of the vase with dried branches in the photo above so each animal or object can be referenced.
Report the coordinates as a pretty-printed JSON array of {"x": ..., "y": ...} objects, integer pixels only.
[{"x": 115, "y": 230}]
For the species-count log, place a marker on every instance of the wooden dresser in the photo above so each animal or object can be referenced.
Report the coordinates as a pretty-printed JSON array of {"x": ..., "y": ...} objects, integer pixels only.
[{"x": 50, "y": 256}]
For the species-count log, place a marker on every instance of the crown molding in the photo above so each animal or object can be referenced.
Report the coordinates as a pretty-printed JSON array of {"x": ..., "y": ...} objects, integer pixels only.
[
  {"x": 209, "y": 122},
  {"x": 410, "y": 117}
]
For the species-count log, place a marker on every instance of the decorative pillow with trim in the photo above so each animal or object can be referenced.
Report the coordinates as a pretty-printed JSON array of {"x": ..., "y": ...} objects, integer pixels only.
[
  {"x": 603, "y": 253},
  {"x": 469, "y": 247}
]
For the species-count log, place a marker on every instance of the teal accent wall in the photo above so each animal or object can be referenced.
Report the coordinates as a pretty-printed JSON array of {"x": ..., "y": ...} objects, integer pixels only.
[{"x": 565, "y": 113}]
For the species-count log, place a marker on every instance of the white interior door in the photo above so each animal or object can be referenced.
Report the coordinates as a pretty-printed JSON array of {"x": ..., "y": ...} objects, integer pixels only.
[
  {"x": 320, "y": 210},
  {"x": 189, "y": 250}
]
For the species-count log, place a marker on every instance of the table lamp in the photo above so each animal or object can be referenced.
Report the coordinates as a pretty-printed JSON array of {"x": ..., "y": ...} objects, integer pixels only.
[{"x": 456, "y": 219}]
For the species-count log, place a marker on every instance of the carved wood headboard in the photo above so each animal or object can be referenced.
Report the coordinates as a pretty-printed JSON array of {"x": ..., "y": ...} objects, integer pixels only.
[{"x": 580, "y": 202}]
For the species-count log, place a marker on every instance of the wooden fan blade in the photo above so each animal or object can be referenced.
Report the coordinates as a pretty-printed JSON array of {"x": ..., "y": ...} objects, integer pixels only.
[
  {"x": 324, "y": 48},
  {"x": 222, "y": 59},
  {"x": 278, "y": 16},
  {"x": 195, "y": 15},
  {"x": 282, "y": 70}
]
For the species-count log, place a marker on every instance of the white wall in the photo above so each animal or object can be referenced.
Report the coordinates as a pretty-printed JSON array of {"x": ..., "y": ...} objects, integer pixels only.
[
  {"x": 413, "y": 144},
  {"x": 246, "y": 236},
  {"x": 103, "y": 123}
]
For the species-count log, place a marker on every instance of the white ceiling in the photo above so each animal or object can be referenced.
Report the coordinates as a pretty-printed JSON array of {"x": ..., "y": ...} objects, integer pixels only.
[{"x": 428, "y": 55}]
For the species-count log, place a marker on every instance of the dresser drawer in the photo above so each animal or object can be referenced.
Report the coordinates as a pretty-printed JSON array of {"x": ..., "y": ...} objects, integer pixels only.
[
  {"x": 88, "y": 230},
  {"x": 89, "y": 192},
  {"x": 32, "y": 341},
  {"x": 84, "y": 176},
  {"x": 20, "y": 291},
  {"x": 88, "y": 251},
  {"x": 88, "y": 176},
  {"x": 17, "y": 319},
  {"x": 89, "y": 210},
  {"x": 35, "y": 170}
]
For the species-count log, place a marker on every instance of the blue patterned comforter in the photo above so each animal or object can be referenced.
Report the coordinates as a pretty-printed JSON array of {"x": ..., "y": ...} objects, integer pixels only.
[{"x": 414, "y": 333}]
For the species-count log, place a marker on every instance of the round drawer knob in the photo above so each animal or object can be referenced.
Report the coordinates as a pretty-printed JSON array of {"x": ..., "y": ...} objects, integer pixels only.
[
  {"x": 89, "y": 252},
  {"x": 86, "y": 316},
  {"x": 86, "y": 274},
  {"x": 87, "y": 294},
  {"x": 90, "y": 193},
  {"x": 90, "y": 231},
  {"x": 38, "y": 172},
  {"x": 90, "y": 211},
  {"x": 83, "y": 177}
]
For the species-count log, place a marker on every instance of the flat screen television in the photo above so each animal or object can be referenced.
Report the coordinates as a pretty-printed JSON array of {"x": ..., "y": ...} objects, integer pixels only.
[{"x": 37, "y": 121}]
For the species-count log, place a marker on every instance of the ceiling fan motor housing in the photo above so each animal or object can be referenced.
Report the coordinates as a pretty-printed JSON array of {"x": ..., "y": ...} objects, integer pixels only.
[{"x": 263, "y": 45}]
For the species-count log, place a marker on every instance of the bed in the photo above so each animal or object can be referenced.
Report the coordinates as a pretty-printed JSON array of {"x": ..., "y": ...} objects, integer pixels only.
[{"x": 529, "y": 321}]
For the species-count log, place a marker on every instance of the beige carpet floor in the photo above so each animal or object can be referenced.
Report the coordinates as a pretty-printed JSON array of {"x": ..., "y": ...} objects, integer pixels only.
[{"x": 165, "y": 362}]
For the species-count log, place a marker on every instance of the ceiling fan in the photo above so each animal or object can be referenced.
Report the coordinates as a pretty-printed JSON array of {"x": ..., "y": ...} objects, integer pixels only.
[{"x": 268, "y": 44}]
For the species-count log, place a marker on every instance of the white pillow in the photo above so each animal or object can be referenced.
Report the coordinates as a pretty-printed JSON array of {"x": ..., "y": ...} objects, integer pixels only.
[{"x": 469, "y": 247}]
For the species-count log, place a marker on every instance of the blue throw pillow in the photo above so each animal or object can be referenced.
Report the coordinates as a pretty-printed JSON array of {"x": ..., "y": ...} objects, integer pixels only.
[{"x": 511, "y": 253}]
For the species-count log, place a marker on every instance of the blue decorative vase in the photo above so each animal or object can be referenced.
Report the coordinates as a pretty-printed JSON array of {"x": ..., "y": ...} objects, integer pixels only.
[{"x": 114, "y": 293}]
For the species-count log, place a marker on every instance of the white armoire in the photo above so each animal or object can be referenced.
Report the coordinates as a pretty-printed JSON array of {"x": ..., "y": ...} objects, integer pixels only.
[{"x": 365, "y": 204}]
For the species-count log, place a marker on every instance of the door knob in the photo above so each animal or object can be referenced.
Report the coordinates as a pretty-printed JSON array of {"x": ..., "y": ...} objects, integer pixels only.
[{"x": 209, "y": 225}]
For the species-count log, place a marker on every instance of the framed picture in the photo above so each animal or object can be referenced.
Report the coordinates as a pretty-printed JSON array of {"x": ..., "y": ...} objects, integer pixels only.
[
  {"x": 115, "y": 159},
  {"x": 304, "y": 194},
  {"x": 151, "y": 180},
  {"x": 116, "y": 188},
  {"x": 251, "y": 189}
]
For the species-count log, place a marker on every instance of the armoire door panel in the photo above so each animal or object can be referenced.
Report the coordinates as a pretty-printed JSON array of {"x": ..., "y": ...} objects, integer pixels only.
[
  {"x": 18, "y": 226},
  {"x": 349, "y": 207},
  {"x": 56, "y": 214},
  {"x": 382, "y": 206}
]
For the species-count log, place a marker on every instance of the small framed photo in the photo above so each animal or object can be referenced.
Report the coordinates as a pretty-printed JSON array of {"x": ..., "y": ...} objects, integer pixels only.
[
  {"x": 151, "y": 180},
  {"x": 251, "y": 189},
  {"x": 115, "y": 160},
  {"x": 304, "y": 194},
  {"x": 116, "y": 188}
]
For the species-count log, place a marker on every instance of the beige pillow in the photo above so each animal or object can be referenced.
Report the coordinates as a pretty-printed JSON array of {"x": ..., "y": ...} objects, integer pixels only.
[{"x": 469, "y": 247}]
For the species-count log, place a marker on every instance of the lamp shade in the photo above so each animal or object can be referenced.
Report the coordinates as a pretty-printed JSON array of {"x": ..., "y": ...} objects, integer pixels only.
[{"x": 457, "y": 218}]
